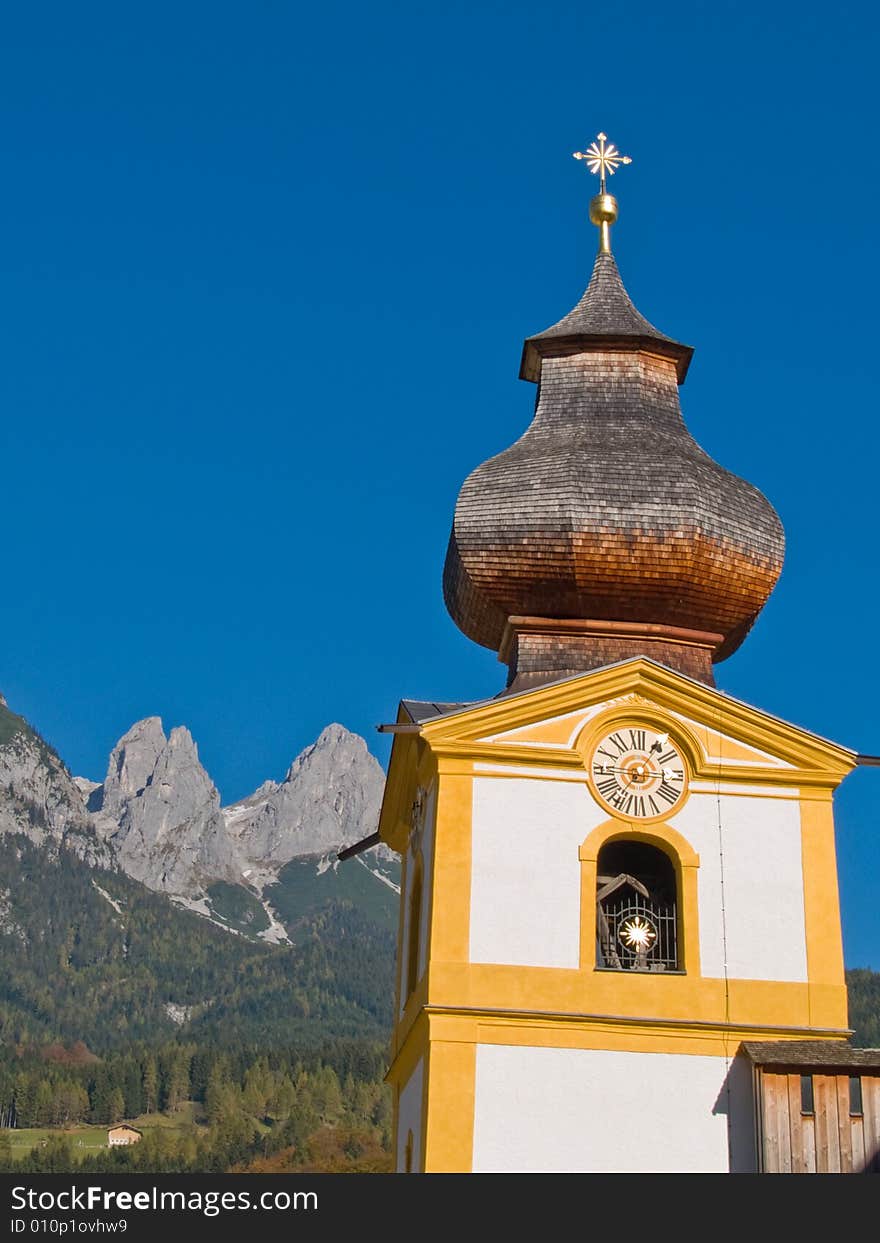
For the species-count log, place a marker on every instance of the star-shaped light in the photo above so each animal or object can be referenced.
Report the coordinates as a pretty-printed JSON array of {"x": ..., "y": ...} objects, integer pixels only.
[
  {"x": 637, "y": 934},
  {"x": 601, "y": 159}
]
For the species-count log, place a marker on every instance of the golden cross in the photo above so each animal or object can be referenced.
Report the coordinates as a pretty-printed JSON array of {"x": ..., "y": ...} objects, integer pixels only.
[{"x": 602, "y": 159}]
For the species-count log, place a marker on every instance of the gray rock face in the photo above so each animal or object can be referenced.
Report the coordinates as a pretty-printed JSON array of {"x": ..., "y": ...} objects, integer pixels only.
[
  {"x": 39, "y": 798},
  {"x": 157, "y": 814},
  {"x": 161, "y": 813},
  {"x": 132, "y": 763},
  {"x": 330, "y": 797}
]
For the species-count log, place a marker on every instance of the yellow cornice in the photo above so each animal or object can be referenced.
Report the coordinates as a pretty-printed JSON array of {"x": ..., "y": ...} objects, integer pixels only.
[
  {"x": 408, "y": 1050},
  {"x": 563, "y": 1020},
  {"x": 815, "y": 761},
  {"x": 507, "y": 753}
]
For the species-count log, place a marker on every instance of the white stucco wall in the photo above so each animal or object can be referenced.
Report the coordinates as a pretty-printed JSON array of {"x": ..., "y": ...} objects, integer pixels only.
[
  {"x": 763, "y": 890},
  {"x": 409, "y": 1118},
  {"x": 525, "y": 872},
  {"x": 525, "y": 869},
  {"x": 582, "y": 1110}
]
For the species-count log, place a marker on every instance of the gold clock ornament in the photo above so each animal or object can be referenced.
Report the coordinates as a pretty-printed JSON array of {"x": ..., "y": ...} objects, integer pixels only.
[{"x": 638, "y": 773}]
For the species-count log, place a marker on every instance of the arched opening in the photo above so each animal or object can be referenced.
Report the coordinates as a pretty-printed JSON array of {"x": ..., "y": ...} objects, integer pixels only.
[
  {"x": 408, "y": 1154},
  {"x": 415, "y": 924},
  {"x": 636, "y": 908}
]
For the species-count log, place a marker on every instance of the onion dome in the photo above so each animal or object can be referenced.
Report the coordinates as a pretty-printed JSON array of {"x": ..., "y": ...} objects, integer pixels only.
[{"x": 605, "y": 531}]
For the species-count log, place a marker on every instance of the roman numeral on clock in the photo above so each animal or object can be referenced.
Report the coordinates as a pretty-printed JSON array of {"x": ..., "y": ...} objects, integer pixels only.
[
  {"x": 668, "y": 792},
  {"x": 637, "y": 739}
]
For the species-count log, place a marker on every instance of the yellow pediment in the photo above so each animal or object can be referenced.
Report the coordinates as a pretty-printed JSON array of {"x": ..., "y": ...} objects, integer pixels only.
[
  {"x": 547, "y": 724},
  {"x": 554, "y": 726}
]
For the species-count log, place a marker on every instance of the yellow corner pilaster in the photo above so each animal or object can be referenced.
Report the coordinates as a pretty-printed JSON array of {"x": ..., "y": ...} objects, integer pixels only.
[
  {"x": 451, "y": 896},
  {"x": 449, "y": 1131},
  {"x": 825, "y": 970}
]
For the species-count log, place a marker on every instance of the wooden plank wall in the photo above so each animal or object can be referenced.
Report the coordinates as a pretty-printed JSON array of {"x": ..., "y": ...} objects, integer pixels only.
[{"x": 828, "y": 1141}]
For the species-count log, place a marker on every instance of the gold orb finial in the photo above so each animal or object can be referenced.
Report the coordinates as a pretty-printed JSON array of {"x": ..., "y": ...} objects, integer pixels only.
[{"x": 603, "y": 159}]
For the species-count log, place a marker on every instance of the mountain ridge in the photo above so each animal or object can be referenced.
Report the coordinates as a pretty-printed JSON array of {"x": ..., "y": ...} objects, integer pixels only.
[
  {"x": 157, "y": 817},
  {"x": 94, "y": 945}
]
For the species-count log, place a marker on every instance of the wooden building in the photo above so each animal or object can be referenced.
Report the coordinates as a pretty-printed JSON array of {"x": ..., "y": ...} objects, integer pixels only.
[
  {"x": 817, "y": 1107},
  {"x": 122, "y": 1135}
]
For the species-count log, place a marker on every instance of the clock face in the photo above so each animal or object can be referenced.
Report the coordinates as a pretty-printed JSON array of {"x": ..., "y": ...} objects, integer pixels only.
[{"x": 638, "y": 772}]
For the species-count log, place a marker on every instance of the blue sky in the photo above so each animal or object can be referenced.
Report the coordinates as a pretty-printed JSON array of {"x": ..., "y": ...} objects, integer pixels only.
[{"x": 265, "y": 272}]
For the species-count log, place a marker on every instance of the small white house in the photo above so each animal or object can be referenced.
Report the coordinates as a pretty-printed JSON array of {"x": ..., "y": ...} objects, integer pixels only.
[{"x": 123, "y": 1135}]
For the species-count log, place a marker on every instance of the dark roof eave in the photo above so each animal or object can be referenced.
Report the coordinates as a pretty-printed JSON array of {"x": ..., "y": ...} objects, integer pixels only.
[
  {"x": 817, "y": 1055},
  {"x": 536, "y": 349}
]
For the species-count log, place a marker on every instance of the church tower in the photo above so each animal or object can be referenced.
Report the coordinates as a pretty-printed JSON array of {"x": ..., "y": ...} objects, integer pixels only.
[{"x": 615, "y": 876}]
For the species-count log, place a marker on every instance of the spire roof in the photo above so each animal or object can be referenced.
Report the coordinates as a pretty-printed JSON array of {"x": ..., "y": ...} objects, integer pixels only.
[
  {"x": 605, "y": 318},
  {"x": 605, "y": 531}
]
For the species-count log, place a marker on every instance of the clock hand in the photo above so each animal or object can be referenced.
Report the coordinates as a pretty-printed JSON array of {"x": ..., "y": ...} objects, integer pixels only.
[{"x": 609, "y": 768}]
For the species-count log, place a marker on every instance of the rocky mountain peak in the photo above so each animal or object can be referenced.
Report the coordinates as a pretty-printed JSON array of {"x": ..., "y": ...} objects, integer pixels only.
[
  {"x": 40, "y": 798},
  {"x": 335, "y": 746},
  {"x": 161, "y": 811},
  {"x": 330, "y": 797},
  {"x": 157, "y": 815},
  {"x": 131, "y": 765}
]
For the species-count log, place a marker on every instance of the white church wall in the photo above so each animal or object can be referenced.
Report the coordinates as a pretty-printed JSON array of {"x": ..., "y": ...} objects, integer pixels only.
[
  {"x": 544, "y": 1110},
  {"x": 526, "y": 834},
  {"x": 409, "y": 1118},
  {"x": 525, "y": 873},
  {"x": 760, "y": 906}
]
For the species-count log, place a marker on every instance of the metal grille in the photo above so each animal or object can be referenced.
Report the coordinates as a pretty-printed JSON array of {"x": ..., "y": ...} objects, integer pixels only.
[{"x": 623, "y": 912}]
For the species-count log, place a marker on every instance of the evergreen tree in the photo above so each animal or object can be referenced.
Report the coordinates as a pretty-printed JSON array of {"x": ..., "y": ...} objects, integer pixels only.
[
  {"x": 132, "y": 1088},
  {"x": 43, "y": 1102},
  {"x": 115, "y": 1106},
  {"x": 150, "y": 1084}
]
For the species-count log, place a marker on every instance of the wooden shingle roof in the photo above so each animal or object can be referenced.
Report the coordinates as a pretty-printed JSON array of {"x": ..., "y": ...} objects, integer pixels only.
[
  {"x": 819, "y": 1055},
  {"x": 605, "y": 315}
]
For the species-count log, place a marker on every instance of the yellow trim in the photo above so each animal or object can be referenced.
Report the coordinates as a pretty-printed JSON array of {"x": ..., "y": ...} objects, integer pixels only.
[
  {"x": 685, "y": 861},
  {"x": 576, "y": 1032},
  {"x": 450, "y": 908},
  {"x": 411, "y": 1049},
  {"x": 394, "y": 817},
  {"x": 825, "y": 971},
  {"x": 666, "y": 995},
  {"x": 415, "y": 1004},
  {"x": 555, "y": 731},
  {"x": 508, "y": 753},
  {"x": 664, "y": 689},
  {"x": 450, "y": 1106}
]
